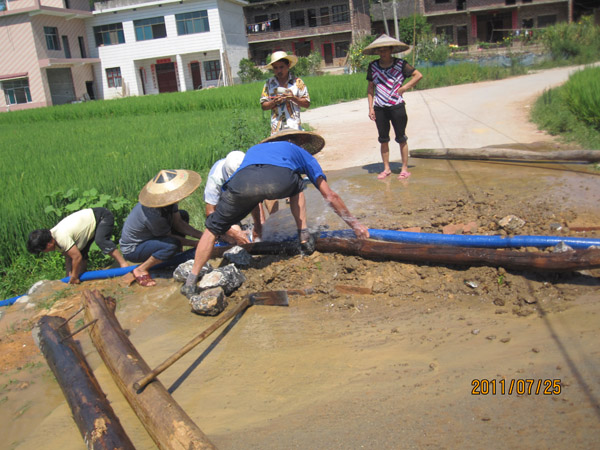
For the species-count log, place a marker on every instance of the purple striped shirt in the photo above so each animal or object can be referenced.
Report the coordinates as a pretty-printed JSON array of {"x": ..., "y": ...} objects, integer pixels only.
[{"x": 387, "y": 81}]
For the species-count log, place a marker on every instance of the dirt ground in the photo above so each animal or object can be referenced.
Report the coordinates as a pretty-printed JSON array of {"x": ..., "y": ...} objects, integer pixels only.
[{"x": 383, "y": 354}]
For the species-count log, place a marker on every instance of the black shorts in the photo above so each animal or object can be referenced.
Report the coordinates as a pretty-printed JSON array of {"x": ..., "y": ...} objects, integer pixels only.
[
  {"x": 397, "y": 116},
  {"x": 248, "y": 188}
]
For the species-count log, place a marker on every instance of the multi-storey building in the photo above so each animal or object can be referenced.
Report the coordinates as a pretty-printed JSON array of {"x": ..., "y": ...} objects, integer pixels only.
[
  {"x": 45, "y": 58},
  {"x": 469, "y": 21},
  {"x": 303, "y": 26},
  {"x": 466, "y": 22},
  {"x": 149, "y": 46},
  {"x": 59, "y": 51}
]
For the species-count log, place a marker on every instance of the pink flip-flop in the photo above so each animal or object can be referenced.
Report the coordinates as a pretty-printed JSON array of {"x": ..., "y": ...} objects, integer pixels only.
[
  {"x": 383, "y": 175},
  {"x": 403, "y": 175}
]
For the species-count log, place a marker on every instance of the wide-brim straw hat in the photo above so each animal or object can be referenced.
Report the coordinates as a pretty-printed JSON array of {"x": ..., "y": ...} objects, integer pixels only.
[
  {"x": 385, "y": 41},
  {"x": 168, "y": 187},
  {"x": 309, "y": 141},
  {"x": 278, "y": 56}
]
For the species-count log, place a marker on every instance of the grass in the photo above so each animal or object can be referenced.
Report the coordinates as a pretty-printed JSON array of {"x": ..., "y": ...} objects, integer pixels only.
[{"x": 572, "y": 110}]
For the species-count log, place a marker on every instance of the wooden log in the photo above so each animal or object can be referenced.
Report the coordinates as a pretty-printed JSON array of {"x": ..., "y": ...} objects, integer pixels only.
[
  {"x": 470, "y": 256},
  {"x": 166, "y": 422},
  {"x": 507, "y": 153},
  {"x": 97, "y": 422}
]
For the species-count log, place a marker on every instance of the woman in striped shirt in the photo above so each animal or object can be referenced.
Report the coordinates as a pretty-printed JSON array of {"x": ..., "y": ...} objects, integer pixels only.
[{"x": 387, "y": 76}]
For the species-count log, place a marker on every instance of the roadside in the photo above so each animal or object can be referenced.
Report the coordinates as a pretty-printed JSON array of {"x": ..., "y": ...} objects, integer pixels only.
[
  {"x": 384, "y": 354},
  {"x": 470, "y": 115}
]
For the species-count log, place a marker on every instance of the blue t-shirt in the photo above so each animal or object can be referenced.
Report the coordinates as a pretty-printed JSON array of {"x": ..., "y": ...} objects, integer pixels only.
[{"x": 284, "y": 154}]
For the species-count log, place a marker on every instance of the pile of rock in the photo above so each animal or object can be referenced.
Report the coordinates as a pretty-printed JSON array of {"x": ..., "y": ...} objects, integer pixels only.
[{"x": 214, "y": 285}]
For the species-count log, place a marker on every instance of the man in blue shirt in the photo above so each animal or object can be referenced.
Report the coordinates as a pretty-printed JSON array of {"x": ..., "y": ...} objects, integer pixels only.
[{"x": 271, "y": 170}]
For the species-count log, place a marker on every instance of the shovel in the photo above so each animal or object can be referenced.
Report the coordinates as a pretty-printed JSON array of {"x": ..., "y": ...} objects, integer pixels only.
[{"x": 269, "y": 298}]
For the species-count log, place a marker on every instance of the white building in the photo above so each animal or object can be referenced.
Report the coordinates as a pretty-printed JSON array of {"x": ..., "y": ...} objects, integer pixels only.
[{"x": 153, "y": 46}]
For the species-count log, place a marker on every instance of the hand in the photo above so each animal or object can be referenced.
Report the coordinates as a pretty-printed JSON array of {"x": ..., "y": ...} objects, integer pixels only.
[
  {"x": 372, "y": 114},
  {"x": 361, "y": 231},
  {"x": 307, "y": 242}
]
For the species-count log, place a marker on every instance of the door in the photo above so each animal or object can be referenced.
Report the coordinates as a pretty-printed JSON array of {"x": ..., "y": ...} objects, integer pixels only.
[
  {"x": 196, "y": 75},
  {"x": 166, "y": 77},
  {"x": 328, "y": 53},
  {"x": 60, "y": 82}
]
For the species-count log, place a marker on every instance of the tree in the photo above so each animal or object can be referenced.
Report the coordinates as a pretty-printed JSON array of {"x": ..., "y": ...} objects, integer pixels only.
[{"x": 249, "y": 72}]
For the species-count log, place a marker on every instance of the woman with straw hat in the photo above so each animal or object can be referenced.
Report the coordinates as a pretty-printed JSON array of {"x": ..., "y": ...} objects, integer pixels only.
[
  {"x": 387, "y": 76},
  {"x": 155, "y": 229},
  {"x": 284, "y": 94}
]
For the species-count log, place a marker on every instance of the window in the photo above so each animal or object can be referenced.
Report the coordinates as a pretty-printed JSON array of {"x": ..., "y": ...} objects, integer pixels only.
[
  {"x": 82, "y": 47},
  {"x": 212, "y": 69},
  {"x": 441, "y": 1},
  {"x": 147, "y": 29},
  {"x": 51, "y": 34},
  {"x": 324, "y": 12},
  {"x": 302, "y": 48},
  {"x": 297, "y": 18},
  {"x": 341, "y": 49},
  {"x": 109, "y": 34},
  {"x": 544, "y": 21},
  {"x": 261, "y": 18},
  {"x": 65, "y": 41},
  {"x": 275, "y": 22},
  {"x": 3, "y": 5},
  {"x": 193, "y": 22},
  {"x": 340, "y": 14},
  {"x": 113, "y": 76},
  {"x": 16, "y": 91},
  {"x": 527, "y": 23},
  {"x": 312, "y": 17},
  {"x": 445, "y": 32}
]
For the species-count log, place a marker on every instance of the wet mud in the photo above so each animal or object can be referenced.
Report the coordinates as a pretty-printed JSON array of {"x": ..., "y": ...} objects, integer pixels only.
[{"x": 383, "y": 354}]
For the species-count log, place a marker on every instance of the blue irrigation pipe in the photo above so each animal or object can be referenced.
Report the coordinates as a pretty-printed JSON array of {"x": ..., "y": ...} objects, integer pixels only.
[
  {"x": 463, "y": 240},
  {"x": 469, "y": 240}
]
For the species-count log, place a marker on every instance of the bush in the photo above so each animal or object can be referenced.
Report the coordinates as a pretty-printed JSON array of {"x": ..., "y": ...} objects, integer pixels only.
[
  {"x": 578, "y": 42},
  {"x": 433, "y": 48},
  {"x": 307, "y": 65},
  {"x": 249, "y": 72},
  {"x": 358, "y": 61}
]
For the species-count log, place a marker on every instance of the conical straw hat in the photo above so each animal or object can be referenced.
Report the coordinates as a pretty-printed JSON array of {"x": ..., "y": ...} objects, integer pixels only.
[
  {"x": 309, "y": 141},
  {"x": 168, "y": 187},
  {"x": 385, "y": 41},
  {"x": 279, "y": 55}
]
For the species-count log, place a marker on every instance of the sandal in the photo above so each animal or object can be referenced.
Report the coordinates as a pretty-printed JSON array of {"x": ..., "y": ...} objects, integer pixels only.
[
  {"x": 145, "y": 280},
  {"x": 383, "y": 175},
  {"x": 403, "y": 175}
]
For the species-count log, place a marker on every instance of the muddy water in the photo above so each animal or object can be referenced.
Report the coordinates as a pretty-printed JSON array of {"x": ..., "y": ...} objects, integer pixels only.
[{"x": 392, "y": 370}]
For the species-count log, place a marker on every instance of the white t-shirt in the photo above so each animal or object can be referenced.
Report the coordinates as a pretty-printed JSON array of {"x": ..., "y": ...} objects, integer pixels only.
[
  {"x": 77, "y": 229},
  {"x": 214, "y": 182}
]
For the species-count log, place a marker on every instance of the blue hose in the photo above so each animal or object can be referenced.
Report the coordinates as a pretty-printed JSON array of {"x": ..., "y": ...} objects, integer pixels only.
[
  {"x": 463, "y": 240},
  {"x": 468, "y": 240}
]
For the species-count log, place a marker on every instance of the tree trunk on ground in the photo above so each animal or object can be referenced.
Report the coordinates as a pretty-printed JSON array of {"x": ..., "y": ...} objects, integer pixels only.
[
  {"x": 95, "y": 418},
  {"x": 470, "y": 256},
  {"x": 507, "y": 153},
  {"x": 166, "y": 422}
]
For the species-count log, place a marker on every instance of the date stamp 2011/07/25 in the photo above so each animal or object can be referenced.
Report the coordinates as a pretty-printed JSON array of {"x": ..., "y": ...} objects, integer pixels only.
[{"x": 521, "y": 386}]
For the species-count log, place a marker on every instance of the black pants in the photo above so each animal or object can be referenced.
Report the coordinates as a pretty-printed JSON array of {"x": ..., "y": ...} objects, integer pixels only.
[
  {"x": 105, "y": 223},
  {"x": 397, "y": 116},
  {"x": 248, "y": 188}
]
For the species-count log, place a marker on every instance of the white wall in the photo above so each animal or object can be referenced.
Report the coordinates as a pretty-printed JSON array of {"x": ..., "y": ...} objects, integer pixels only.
[
  {"x": 132, "y": 55},
  {"x": 234, "y": 31}
]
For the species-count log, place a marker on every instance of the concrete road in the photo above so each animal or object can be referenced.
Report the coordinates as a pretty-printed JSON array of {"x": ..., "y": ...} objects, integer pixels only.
[{"x": 468, "y": 116}]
